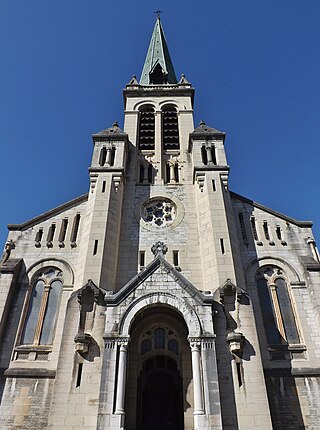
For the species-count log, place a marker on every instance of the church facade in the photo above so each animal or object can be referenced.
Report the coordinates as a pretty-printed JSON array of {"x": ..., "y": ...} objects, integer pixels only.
[{"x": 160, "y": 300}]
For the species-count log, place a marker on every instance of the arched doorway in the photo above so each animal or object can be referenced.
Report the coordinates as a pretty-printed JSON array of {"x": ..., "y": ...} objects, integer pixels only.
[
  {"x": 160, "y": 400},
  {"x": 159, "y": 388}
]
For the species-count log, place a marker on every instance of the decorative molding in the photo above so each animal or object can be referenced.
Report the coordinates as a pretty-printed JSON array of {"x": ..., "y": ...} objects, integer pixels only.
[
  {"x": 182, "y": 306},
  {"x": 27, "y": 372},
  {"x": 159, "y": 248}
]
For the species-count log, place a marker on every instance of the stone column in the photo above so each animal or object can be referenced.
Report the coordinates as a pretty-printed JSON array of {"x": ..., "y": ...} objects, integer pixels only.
[
  {"x": 122, "y": 370},
  {"x": 209, "y": 153},
  {"x": 195, "y": 344},
  {"x": 159, "y": 161},
  {"x": 109, "y": 155},
  {"x": 171, "y": 166}
]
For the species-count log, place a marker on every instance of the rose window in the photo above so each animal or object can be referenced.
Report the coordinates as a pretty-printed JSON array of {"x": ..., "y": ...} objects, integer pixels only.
[{"x": 159, "y": 212}]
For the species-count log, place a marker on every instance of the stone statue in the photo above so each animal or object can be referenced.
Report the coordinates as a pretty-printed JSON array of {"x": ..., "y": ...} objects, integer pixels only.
[{"x": 8, "y": 247}]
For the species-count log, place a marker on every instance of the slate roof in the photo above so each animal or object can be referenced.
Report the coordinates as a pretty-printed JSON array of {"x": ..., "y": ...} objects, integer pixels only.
[
  {"x": 204, "y": 128},
  {"x": 115, "y": 130},
  {"x": 158, "y": 52}
]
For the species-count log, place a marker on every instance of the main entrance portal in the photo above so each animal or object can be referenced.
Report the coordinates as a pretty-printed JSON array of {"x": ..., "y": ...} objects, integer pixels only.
[
  {"x": 159, "y": 390},
  {"x": 160, "y": 399}
]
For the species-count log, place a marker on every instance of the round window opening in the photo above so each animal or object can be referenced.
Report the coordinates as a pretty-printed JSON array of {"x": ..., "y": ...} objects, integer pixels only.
[{"x": 159, "y": 212}]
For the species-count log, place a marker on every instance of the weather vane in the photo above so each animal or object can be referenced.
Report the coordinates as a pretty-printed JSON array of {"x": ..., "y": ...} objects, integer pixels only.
[{"x": 158, "y": 13}]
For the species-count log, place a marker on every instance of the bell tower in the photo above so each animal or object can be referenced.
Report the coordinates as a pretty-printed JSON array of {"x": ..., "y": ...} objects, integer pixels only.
[{"x": 159, "y": 116}]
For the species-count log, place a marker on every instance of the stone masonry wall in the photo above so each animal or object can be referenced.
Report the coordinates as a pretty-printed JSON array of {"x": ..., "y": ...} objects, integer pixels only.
[
  {"x": 294, "y": 402},
  {"x": 26, "y": 403}
]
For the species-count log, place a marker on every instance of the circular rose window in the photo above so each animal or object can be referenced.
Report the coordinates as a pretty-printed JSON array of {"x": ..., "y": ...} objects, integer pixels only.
[{"x": 159, "y": 212}]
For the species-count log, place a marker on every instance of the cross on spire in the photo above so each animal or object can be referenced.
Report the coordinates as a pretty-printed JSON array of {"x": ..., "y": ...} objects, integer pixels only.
[{"x": 158, "y": 12}]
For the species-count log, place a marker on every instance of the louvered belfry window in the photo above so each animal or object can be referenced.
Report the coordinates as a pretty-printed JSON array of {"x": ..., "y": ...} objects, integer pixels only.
[
  {"x": 170, "y": 129},
  {"x": 146, "y": 128}
]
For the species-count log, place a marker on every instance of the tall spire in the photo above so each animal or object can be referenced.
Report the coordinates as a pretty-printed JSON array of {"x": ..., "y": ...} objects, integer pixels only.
[{"x": 158, "y": 67}]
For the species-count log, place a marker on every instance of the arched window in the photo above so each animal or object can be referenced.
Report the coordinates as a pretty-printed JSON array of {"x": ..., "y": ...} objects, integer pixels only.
[
  {"x": 159, "y": 338},
  {"x": 43, "y": 303},
  {"x": 277, "y": 310},
  {"x": 170, "y": 128},
  {"x": 146, "y": 128}
]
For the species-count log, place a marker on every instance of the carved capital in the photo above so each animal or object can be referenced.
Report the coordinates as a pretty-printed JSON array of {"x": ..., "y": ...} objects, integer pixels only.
[
  {"x": 195, "y": 343},
  {"x": 123, "y": 343}
]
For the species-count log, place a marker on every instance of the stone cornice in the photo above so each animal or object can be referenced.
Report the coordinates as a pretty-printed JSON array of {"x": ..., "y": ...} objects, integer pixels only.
[
  {"x": 158, "y": 91},
  {"x": 25, "y": 372},
  {"x": 212, "y": 166},
  {"x": 106, "y": 169}
]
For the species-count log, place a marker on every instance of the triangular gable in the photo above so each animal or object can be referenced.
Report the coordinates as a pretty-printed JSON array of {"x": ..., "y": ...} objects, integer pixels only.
[{"x": 159, "y": 261}]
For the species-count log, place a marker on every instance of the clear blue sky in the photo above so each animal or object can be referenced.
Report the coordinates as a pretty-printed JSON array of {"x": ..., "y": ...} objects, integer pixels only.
[{"x": 255, "y": 66}]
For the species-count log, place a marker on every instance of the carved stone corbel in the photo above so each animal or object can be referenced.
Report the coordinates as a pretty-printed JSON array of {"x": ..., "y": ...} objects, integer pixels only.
[
  {"x": 87, "y": 296},
  {"x": 93, "y": 180},
  {"x": 117, "y": 180},
  {"x": 200, "y": 179},
  {"x": 236, "y": 342}
]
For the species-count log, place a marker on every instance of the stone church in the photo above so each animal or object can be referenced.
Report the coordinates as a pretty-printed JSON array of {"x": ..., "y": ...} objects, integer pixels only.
[{"x": 160, "y": 300}]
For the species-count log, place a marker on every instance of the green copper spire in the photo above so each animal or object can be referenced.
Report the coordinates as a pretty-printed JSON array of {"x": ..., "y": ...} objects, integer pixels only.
[{"x": 158, "y": 67}]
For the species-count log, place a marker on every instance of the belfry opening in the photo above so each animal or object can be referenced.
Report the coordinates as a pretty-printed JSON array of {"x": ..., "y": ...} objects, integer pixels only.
[{"x": 159, "y": 386}]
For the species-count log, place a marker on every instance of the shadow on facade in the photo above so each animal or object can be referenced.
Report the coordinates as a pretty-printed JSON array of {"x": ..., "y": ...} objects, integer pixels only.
[
  {"x": 283, "y": 397},
  {"x": 135, "y": 192},
  {"x": 14, "y": 309}
]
